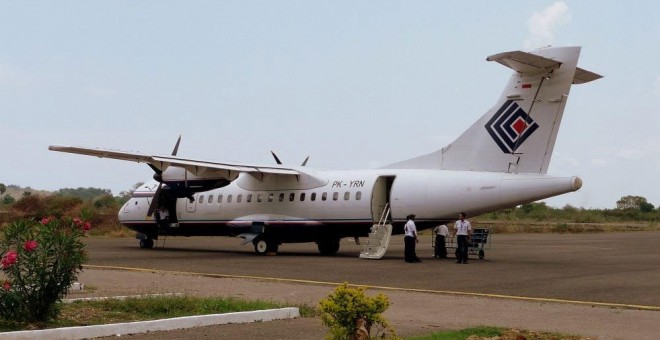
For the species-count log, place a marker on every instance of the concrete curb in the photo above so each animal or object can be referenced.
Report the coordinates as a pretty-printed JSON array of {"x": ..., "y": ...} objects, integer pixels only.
[{"x": 85, "y": 332}]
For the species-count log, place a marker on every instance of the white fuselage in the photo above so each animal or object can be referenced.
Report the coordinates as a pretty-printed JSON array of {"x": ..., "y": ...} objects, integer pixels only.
[{"x": 334, "y": 201}]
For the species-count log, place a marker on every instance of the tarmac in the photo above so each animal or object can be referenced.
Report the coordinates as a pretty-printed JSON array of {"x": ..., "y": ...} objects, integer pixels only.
[{"x": 604, "y": 286}]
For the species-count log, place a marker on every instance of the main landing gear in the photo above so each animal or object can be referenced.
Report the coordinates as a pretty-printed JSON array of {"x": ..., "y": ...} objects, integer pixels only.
[
  {"x": 328, "y": 246},
  {"x": 147, "y": 243},
  {"x": 263, "y": 245}
]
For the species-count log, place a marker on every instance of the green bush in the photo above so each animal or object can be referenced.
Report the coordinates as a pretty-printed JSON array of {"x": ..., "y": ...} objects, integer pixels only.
[
  {"x": 342, "y": 309},
  {"x": 40, "y": 261}
]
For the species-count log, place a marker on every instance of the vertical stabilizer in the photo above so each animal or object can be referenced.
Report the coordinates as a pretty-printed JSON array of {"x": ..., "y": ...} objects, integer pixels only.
[{"x": 518, "y": 134}]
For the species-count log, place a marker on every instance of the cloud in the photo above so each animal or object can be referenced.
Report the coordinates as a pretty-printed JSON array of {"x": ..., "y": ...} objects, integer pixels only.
[{"x": 542, "y": 25}]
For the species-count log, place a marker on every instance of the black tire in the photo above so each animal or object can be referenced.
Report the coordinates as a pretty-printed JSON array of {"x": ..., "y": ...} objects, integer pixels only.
[
  {"x": 481, "y": 254},
  {"x": 263, "y": 246},
  {"x": 329, "y": 246},
  {"x": 147, "y": 243}
]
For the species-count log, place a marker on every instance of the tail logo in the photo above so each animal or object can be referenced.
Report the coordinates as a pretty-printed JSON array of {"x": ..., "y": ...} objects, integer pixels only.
[{"x": 510, "y": 126}]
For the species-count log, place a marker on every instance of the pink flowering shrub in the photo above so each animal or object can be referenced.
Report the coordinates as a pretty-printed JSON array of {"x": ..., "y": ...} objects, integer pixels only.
[{"x": 39, "y": 260}]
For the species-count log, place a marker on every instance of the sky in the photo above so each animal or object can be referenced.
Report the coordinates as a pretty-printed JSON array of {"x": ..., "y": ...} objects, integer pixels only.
[{"x": 352, "y": 84}]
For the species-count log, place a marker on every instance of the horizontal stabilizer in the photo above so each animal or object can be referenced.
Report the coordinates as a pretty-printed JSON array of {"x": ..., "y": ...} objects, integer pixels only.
[
  {"x": 584, "y": 76},
  {"x": 526, "y": 63}
]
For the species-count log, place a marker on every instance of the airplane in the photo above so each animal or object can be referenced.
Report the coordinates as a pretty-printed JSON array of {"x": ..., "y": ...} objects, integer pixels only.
[{"x": 501, "y": 161}]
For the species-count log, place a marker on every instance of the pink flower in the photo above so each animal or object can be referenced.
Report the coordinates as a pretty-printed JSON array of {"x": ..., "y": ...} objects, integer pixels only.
[
  {"x": 78, "y": 222},
  {"x": 87, "y": 226},
  {"x": 6, "y": 286},
  {"x": 9, "y": 259},
  {"x": 47, "y": 220},
  {"x": 30, "y": 245}
]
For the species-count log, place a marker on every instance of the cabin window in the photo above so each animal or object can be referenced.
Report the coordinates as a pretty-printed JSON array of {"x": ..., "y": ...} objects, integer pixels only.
[
  {"x": 313, "y": 198},
  {"x": 358, "y": 195},
  {"x": 324, "y": 196},
  {"x": 248, "y": 198},
  {"x": 270, "y": 197},
  {"x": 201, "y": 199},
  {"x": 302, "y": 197},
  {"x": 229, "y": 199},
  {"x": 259, "y": 198},
  {"x": 239, "y": 198},
  {"x": 335, "y": 196},
  {"x": 210, "y": 198},
  {"x": 220, "y": 198},
  {"x": 347, "y": 195},
  {"x": 292, "y": 196},
  {"x": 282, "y": 197}
]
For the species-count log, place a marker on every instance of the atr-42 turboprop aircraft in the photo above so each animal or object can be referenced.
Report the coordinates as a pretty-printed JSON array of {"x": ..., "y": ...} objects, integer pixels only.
[{"x": 499, "y": 162}]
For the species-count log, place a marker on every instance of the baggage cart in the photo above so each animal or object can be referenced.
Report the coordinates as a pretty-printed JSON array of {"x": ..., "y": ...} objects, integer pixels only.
[{"x": 479, "y": 242}]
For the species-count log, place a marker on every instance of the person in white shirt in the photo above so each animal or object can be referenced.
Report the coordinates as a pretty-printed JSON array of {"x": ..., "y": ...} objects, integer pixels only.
[
  {"x": 410, "y": 240},
  {"x": 463, "y": 229},
  {"x": 440, "y": 232}
]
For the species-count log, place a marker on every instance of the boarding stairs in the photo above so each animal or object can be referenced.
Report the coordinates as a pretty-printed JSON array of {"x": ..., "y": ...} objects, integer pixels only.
[{"x": 379, "y": 237}]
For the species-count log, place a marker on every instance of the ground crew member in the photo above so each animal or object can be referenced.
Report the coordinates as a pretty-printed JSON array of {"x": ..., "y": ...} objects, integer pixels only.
[
  {"x": 441, "y": 233},
  {"x": 463, "y": 230},
  {"x": 410, "y": 240}
]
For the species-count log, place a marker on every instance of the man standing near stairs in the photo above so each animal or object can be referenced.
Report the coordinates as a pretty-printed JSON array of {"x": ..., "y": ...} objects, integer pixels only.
[{"x": 410, "y": 240}]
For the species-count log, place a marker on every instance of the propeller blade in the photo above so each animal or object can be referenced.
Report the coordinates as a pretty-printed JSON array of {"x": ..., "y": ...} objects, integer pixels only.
[
  {"x": 154, "y": 201},
  {"x": 176, "y": 147},
  {"x": 305, "y": 161},
  {"x": 276, "y": 158}
]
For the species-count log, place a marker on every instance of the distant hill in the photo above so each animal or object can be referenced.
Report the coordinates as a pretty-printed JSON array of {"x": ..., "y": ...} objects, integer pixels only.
[
  {"x": 17, "y": 191},
  {"x": 83, "y": 193}
]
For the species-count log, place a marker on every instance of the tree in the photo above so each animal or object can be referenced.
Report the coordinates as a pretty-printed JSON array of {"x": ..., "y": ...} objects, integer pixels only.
[
  {"x": 646, "y": 207},
  {"x": 125, "y": 195},
  {"x": 3, "y": 188},
  {"x": 630, "y": 202},
  {"x": 8, "y": 199}
]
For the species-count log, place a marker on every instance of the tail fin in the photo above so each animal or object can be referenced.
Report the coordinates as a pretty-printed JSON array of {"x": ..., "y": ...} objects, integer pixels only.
[{"x": 518, "y": 134}]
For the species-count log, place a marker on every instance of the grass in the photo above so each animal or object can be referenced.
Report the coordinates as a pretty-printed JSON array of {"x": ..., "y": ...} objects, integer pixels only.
[
  {"x": 85, "y": 313},
  {"x": 485, "y": 332}
]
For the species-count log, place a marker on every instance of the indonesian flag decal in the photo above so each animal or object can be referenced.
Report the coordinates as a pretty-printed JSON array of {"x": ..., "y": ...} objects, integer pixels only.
[{"x": 510, "y": 126}]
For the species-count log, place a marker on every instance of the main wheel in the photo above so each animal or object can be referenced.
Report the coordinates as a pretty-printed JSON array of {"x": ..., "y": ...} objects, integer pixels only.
[
  {"x": 481, "y": 254},
  {"x": 328, "y": 246},
  {"x": 263, "y": 246},
  {"x": 147, "y": 243}
]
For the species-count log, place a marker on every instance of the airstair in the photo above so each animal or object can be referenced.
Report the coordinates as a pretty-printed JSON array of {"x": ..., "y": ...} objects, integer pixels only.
[{"x": 379, "y": 237}]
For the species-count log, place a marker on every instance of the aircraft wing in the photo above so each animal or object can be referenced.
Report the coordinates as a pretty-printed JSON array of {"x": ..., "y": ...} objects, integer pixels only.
[{"x": 196, "y": 167}]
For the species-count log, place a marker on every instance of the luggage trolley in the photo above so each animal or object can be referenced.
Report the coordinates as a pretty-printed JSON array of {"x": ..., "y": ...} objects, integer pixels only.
[{"x": 479, "y": 242}]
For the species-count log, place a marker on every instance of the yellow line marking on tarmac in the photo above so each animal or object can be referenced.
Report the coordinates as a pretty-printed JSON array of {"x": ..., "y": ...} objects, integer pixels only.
[{"x": 395, "y": 289}]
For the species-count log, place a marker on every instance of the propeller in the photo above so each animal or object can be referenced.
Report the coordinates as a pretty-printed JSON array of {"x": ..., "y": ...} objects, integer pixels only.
[
  {"x": 279, "y": 162},
  {"x": 158, "y": 176},
  {"x": 276, "y": 158}
]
